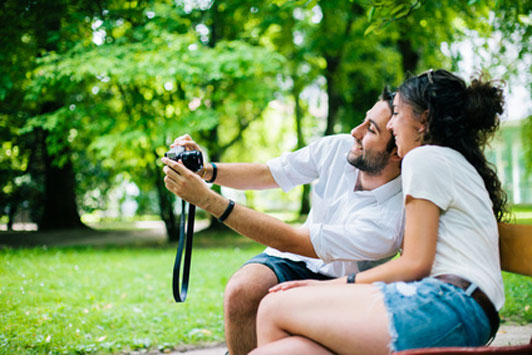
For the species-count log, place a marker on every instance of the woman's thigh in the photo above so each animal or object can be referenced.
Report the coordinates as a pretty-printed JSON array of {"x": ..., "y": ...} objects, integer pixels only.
[{"x": 343, "y": 318}]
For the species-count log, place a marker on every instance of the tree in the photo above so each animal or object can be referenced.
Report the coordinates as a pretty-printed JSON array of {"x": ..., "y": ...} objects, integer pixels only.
[{"x": 147, "y": 83}]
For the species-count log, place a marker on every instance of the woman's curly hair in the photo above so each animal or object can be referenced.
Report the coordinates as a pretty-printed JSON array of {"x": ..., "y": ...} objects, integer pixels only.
[{"x": 460, "y": 117}]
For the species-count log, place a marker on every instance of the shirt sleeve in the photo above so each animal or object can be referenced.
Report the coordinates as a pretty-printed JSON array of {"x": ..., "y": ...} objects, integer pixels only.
[
  {"x": 302, "y": 166},
  {"x": 361, "y": 240},
  {"x": 428, "y": 175}
]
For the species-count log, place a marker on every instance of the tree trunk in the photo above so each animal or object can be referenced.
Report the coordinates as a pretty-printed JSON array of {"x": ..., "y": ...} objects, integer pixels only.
[
  {"x": 410, "y": 57},
  {"x": 59, "y": 208},
  {"x": 334, "y": 97}
]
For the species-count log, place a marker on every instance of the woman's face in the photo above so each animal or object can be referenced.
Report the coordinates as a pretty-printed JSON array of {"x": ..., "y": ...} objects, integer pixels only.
[{"x": 406, "y": 126}]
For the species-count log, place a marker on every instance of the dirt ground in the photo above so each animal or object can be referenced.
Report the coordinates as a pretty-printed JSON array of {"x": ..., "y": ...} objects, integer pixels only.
[{"x": 139, "y": 233}]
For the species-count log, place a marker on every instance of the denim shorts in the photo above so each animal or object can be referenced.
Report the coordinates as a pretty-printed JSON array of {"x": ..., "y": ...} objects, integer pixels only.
[
  {"x": 432, "y": 313},
  {"x": 286, "y": 269}
]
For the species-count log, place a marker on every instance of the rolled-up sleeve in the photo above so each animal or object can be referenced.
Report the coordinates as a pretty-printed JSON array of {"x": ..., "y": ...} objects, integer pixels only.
[
  {"x": 364, "y": 239},
  {"x": 295, "y": 168}
]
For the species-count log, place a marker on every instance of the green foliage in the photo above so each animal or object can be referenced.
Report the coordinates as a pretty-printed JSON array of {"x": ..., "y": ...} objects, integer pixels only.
[
  {"x": 527, "y": 137},
  {"x": 108, "y": 85}
]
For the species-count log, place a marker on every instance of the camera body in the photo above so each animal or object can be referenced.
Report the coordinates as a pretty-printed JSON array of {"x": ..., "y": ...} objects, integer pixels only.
[{"x": 192, "y": 159}]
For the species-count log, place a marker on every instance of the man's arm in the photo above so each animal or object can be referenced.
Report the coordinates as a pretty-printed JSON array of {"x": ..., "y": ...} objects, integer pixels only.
[
  {"x": 260, "y": 227},
  {"x": 241, "y": 176}
]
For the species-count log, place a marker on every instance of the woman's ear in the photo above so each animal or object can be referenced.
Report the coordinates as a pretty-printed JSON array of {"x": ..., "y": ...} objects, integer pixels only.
[{"x": 423, "y": 122}]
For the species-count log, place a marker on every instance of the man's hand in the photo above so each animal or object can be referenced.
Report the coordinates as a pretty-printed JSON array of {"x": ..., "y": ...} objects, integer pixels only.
[
  {"x": 187, "y": 142},
  {"x": 186, "y": 184}
]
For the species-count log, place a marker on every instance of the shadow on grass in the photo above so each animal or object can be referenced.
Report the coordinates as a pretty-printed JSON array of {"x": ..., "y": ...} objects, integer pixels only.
[{"x": 119, "y": 239}]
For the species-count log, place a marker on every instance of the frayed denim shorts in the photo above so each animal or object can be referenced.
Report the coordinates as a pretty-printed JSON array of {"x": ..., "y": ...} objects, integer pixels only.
[{"x": 432, "y": 313}]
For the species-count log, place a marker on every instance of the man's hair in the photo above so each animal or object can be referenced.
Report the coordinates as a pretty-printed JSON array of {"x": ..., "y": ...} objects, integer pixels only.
[{"x": 388, "y": 96}]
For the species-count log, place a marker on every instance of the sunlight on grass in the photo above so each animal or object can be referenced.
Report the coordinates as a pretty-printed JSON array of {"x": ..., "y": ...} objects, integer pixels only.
[
  {"x": 112, "y": 299},
  {"x": 119, "y": 299}
]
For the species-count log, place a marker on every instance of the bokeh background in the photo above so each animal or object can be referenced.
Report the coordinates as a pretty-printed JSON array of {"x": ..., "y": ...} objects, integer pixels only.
[{"x": 93, "y": 92}]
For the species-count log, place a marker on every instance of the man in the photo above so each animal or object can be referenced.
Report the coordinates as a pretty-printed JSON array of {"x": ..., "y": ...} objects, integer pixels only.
[{"x": 356, "y": 214}]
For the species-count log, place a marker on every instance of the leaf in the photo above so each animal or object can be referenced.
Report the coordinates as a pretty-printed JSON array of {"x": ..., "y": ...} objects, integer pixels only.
[
  {"x": 371, "y": 28},
  {"x": 371, "y": 13}
]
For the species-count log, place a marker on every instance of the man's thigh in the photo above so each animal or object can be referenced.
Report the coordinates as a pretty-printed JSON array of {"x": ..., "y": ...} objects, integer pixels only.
[
  {"x": 285, "y": 269},
  {"x": 252, "y": 281}
]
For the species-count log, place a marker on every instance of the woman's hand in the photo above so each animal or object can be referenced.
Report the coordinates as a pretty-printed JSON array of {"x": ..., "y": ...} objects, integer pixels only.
[{"x": 299, "y": 283}]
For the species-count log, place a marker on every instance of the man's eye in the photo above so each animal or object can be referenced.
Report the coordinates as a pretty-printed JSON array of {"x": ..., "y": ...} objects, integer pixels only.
[{"x": 371, "y": 130}]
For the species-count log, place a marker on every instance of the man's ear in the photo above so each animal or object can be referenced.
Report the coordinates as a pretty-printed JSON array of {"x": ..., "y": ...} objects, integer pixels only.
[{"x": 394, "y": 156}]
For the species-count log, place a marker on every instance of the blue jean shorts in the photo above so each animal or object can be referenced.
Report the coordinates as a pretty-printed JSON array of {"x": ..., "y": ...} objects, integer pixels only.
[
  {"x": 432, "y": 313},
  {"x": 286, "y": 269}
]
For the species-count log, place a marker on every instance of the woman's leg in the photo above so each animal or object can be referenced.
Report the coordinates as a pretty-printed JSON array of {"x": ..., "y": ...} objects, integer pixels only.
[
  {"x": 343, "y": 318},
  {"x": 292, "y": 345}
]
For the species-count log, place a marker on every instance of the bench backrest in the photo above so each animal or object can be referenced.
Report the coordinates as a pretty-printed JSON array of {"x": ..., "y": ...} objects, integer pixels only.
[{"x": 515, "y": 244}]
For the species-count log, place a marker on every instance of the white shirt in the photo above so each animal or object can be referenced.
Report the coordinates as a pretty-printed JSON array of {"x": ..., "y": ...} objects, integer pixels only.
[
  {"x": 346, "y": 226},
  {"x": 468, "y": 238}
]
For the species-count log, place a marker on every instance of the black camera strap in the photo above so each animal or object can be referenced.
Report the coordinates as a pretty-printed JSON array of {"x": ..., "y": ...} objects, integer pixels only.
[{"x": 186, "y": 245}]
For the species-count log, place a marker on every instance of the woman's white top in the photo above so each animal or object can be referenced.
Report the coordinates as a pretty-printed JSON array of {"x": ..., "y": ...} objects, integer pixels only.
[{"x": 468, "y": 238}]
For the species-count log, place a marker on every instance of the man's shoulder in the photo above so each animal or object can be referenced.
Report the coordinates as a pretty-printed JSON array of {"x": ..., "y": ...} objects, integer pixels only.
[{"x": 333, "y": 143}]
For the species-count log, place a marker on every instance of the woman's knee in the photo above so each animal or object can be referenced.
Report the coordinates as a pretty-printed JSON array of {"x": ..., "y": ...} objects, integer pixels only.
[{"x": 269, "y": 308}]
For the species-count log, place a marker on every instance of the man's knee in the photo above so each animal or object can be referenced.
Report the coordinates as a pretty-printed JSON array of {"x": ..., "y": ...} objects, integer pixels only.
[{"x": 247, "y": 287}]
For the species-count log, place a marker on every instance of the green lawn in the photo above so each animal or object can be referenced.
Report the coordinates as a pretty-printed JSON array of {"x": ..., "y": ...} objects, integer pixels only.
[
  {"x": 81, "y": 300},
  {"x": 112, "y": 299}
]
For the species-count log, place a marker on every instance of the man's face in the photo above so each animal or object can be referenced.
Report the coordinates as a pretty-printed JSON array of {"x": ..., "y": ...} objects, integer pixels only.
[{"x": 370, "y": 151}]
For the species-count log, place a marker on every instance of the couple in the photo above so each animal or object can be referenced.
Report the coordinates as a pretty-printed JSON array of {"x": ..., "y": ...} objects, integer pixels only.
[{"x": 445, "y": 288}]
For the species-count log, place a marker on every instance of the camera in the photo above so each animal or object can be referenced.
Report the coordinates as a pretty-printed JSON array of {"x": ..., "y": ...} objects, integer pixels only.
[{"x": 192, "y": 159}]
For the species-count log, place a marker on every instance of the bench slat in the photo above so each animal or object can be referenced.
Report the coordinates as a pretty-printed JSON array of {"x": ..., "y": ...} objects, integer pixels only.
[{"x": 515, "y": 245}]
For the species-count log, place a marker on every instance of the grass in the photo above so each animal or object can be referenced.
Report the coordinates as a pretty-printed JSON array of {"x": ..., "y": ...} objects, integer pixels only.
[
  {"x": 106, "y": 300},
  {"x": 115, "y": 299}
]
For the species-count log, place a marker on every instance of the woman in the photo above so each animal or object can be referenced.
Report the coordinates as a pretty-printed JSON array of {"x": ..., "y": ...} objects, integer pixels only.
[{"x": 446, "y": 287}]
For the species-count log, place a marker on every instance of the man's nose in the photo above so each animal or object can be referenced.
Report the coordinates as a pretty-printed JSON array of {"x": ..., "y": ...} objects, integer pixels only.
[
  {"x": 357, "y": 132},
  {"x": 389, "y": 125}
]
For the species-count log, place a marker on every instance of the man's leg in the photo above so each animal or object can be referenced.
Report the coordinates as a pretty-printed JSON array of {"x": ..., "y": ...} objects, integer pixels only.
[{"x": 242, "y": 297}]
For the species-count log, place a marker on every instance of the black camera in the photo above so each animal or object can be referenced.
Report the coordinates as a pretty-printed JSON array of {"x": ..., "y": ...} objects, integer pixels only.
[{"x": 192, "y": 159}]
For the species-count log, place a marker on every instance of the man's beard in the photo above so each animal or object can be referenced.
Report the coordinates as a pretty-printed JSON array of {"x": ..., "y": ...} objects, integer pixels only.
[{"x": 370, "y": 162}]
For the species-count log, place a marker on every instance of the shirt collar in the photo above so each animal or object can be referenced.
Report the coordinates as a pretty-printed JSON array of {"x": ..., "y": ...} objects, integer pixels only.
[
  {"x": 388, "y": 190},
  {"x": 381, "y": 193}
]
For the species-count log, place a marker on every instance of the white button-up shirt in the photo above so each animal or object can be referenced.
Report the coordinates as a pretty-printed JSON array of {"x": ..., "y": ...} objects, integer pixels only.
[{"x": 348, "y": 228}]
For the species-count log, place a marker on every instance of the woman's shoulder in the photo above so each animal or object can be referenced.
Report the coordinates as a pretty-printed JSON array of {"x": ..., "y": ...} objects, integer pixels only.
[
  {"x": 432, "y": 159},
  {"x": 432, "y": 153}
]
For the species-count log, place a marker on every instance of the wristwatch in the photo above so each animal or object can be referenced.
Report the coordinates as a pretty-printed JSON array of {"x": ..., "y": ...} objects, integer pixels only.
[{"x": 351, "y": 278}]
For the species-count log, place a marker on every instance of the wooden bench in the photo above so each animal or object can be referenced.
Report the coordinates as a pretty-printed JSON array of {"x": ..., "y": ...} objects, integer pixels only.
[{"x": 516, "y": 257}]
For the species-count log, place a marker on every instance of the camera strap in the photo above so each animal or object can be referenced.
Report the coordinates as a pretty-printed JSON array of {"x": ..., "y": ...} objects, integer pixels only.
[{"x": 186, "y": 245}]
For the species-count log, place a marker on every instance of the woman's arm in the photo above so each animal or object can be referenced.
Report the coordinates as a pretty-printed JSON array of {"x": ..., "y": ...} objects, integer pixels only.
[{"x": 421, "y": 235}]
